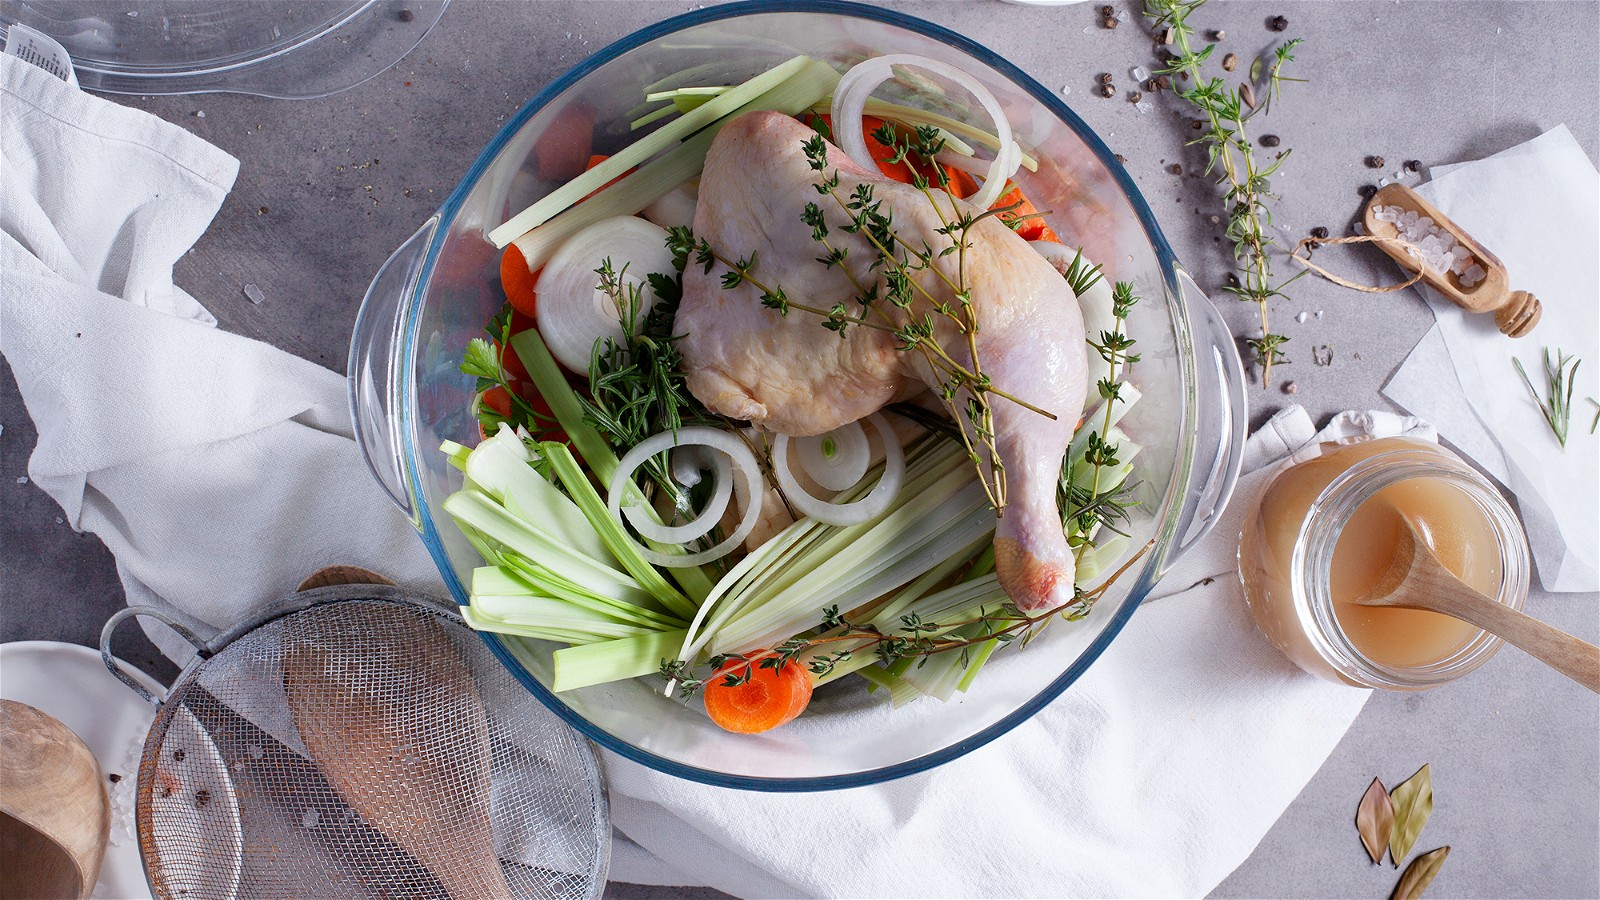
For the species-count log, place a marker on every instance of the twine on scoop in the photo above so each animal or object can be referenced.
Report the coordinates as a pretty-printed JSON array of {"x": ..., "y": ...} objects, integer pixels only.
[{"x": 1356, "y": 239}]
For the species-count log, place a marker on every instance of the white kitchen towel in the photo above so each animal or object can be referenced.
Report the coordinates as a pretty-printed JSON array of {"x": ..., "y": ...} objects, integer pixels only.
[
  {"x": 219, "y": 470},
  {"x": 1154, "y": 776},
  {"x": 1537, "y": 207}
]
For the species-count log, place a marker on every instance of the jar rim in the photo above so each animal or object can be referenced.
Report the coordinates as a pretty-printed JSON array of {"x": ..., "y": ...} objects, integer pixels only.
[{"x": 1311, "y": 564}]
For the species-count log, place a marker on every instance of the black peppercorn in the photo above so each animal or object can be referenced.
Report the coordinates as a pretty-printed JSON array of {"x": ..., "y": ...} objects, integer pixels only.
[
  {"x": 405, "y": 15},
  {"x": 1108, "y": 22},
  {"x": 201, "y": 798},
  {"x": 1230, "y": 62},
  {"x": 1413, "y": 165},
  {"x": 1270, "y": 140},
  {"x": 1121, "y": 158},
  {"x": 1107, "y": 11},
  {"x": 1374, "y": 162},
  {"x": 1278, "y": 23},
  {"x": 1135, "y": 96},
  {"x": 113, "y": 778},
  {"x": 1104, "y": 78},
  {"x": 1216, "y": 34},
  {"x": 1319, "y": 232},
  {"x": 1367, "y": 190},
  {"x": 1152, "y": 86},
  {"x": 1197, "y": 124},
  {"x": 1163, "y": 82},
  {"x": 1175, "y": 168},
  {"x": 1108, "y": 90}
]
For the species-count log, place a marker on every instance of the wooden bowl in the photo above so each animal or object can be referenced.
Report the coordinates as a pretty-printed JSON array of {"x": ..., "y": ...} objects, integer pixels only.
[{"x": 55, "y": 816}]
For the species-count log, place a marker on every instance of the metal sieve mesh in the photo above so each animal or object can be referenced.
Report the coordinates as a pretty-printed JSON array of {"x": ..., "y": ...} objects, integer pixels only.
[{"x": 368, "y": 747}]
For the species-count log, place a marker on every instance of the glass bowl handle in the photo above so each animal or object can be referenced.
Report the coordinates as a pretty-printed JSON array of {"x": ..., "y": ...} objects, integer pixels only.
[
  {"x": 1223, "y": 417},
  {"x": 375, "y": 363}
]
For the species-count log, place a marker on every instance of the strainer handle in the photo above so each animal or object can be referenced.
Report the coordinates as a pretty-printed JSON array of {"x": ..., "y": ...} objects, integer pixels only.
[{"x": 111, "y": 662}]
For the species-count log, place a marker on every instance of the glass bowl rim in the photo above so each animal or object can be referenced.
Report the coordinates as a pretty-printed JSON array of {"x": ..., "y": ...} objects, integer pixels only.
[{"x": 1167, "y": 264}]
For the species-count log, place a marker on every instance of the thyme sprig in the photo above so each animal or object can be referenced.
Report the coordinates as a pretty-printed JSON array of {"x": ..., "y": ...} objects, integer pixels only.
[
  {"x": 899, "y": 292},
  {"x": 912, "y": 638},
  {"x": 1559, "y": 381},
  {"x": 1085, "y": 509},
  {"x": 1245, "y": 181}
]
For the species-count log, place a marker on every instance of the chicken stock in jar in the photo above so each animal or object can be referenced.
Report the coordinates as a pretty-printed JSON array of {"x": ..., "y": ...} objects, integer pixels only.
[{"x": 1327, "y": 529}]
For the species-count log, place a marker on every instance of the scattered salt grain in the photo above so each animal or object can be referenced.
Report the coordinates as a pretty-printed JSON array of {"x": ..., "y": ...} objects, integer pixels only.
[
  {"x": 1139, "y": 73},
  {"x": 256, "y": 751},
  {"x": 22, "y": 479},
  {"x": 199, "y": 114},
  {"x": 1144, "y": 106},
  {"x": 60, "y": 520},
  {"x": 1319, "y": 313},
  {"x": 1122, "y": 15},
  {"x": 133, "y": 14},
  {"x": 1301, "y": 318},
  {"x": 1066, "y": 89},
  {"x": 255, "y": 294},
  {"x": 1088, "y": 28},
  {"x": 311, "y": 817}
]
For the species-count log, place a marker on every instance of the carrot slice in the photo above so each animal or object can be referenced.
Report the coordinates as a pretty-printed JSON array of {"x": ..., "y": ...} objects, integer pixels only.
[
  {"x": 498, "y": 400},
  {"x": 519, "y": 284},
  {"x": 1029, "y": 224},
  {"x": 769, "y": 697}
]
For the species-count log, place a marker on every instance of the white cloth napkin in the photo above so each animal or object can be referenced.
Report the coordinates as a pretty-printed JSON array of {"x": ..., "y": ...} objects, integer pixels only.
[
  {"x": 219, "y": 470},
  {"x": 1537, "y": 207},
  {"x": 1155, "y": 775}
]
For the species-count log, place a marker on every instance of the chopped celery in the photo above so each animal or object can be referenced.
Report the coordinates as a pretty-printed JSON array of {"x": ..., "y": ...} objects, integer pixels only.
[
  {"x": 656, "y": 178},
  {"x": 652, "y": 116},
  {"x": 1095, "y": 419},
  {"x": 610, "y": 530},
  {"x": 617, "y": 164},
  {"x": 980, "y": 655},
  {"x": 456, "y": 453},
  {"x": 708, "y": 91},
  {"x": 521, "y": 577},
  {"x": 605, "y": 661},
  {"x": 502, "y": 468}
]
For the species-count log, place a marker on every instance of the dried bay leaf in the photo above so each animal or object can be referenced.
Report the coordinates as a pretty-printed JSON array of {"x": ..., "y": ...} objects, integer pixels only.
[
  {"x": 1419, "y": 874},
  {"x": 1413, "y": 804},
  {"x": 1375, "y": 820}
]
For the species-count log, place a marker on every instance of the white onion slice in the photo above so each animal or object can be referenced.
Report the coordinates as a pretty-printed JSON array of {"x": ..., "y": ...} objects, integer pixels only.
[
  {"x": 732, "y": 453},
  {"x": 856, "y": 86},
  {"x": 686, "y": 471},
  {"x": 573, "y": 312},
  {"x": 838, "y": 459},
  {"x": 854, "y": 513}
]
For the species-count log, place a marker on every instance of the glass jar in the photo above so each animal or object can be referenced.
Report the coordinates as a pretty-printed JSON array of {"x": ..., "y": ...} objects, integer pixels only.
[{"x": 1325, "y": 531}]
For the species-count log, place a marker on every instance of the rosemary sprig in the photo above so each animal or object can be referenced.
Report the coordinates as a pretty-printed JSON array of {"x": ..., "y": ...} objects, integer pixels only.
[
  {"x": 1559, "y": 382},
  {"x": 483, "y": 361},
  {"x": 1246, "y": 182}
]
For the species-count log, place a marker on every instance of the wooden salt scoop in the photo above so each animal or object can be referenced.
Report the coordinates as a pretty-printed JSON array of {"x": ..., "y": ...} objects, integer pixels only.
[
  {"x": 420, "y": 776},
  {"x": 1417, "y": 580},
  {"x": 1515, "y": 312},
  {"x": 54, "y": 813}
]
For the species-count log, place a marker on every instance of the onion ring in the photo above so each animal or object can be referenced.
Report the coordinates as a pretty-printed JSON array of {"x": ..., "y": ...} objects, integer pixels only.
[
  {"x": 855, "y": 512},
  {"x": 733, "y": 454}
]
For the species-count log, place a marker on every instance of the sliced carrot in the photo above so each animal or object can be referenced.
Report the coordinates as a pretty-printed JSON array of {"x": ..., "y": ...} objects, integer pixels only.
[
  {"x": 498, "y": 400},
  {"x": 1029, "y": 224},
  {"x": 520, "y": 285},
  {"x": 769, "y": 697}
]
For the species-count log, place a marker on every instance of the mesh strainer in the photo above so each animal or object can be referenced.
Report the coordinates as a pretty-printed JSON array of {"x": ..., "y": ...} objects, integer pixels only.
[{"x": 356, "y": 742}]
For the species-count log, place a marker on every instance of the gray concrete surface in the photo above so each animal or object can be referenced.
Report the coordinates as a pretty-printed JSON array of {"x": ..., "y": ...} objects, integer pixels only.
[{"x": 329, "y": 187}]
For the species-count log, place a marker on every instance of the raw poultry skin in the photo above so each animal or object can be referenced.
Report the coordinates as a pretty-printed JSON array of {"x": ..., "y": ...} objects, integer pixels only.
[{"x": 791, "y": 375}]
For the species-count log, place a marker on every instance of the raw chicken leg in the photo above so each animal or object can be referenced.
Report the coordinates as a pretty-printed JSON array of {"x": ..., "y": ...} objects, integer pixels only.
[{"x": 791, "y": 375}]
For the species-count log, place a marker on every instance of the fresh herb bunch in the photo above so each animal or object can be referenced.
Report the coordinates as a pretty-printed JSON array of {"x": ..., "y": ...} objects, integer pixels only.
[
  {"x": 482, "y": 360},
  {"x": 897, "y": 263},
  {"x": 1245, "y": 181},
  {"x": 1559, "y": 382},
  {"x": 637, "y": 387}
]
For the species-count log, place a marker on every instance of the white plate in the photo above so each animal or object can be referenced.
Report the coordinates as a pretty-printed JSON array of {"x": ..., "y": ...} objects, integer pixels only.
[{"x": 69, "y": 682}]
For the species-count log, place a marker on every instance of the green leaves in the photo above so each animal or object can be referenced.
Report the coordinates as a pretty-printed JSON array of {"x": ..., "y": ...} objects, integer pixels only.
[
  {"x": 1557, "y": 410},
  {"x": 481, "y": 360},
  {"x": 1375, "y": 820},
  {"x": 1413, "y": 804},
  {"x": 1420, "y": 874}
]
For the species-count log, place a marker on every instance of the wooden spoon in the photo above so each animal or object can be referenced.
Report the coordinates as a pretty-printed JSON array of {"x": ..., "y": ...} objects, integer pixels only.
[
  {"x": 419, "y": 774},
  {"x": 1417, "y": 580}
]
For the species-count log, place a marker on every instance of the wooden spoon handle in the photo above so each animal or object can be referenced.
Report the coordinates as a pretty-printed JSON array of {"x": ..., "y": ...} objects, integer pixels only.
[{"x": 1577, "y": 659}]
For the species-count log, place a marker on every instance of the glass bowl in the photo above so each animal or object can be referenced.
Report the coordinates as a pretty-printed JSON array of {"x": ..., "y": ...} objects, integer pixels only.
[{"x": 439, "y": 288}]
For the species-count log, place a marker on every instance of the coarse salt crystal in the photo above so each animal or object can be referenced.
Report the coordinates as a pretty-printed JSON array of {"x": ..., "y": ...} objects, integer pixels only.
[
  {"x": 22, "y": 479},
  {"x": 1122, "y": 15},
  {"x": 1144, "y": 106},
  {"x": 1300, "y": 318},
  {"x": 1139, "y": 73},
  {"x": 1066, "y": 89},
  {"x": 255, "y": 294},
  {"x": 311, "y": 817}
]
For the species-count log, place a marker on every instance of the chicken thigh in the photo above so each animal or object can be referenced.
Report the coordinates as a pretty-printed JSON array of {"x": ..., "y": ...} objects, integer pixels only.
[{"x": 789, "y": 374}]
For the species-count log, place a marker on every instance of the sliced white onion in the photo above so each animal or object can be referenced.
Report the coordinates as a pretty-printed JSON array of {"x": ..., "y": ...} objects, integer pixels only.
[
  {"x": 686, "y": 467},
  {"x": 573, "y": 312},
  {"x": 1095, "y": 303},
  {"x": 732, "y": 454},
  {"x": 856, "y": 86},
  {"x": 838, "y": 459},
  {"x": 676, "y": 207},
  {"x": 854, "y": 513}
]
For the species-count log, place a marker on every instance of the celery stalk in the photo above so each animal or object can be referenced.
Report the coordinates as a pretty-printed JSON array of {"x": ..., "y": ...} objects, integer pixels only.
[
  {"x": 616, "y": 660},
  {"x": 619, "y": 163},
  {"x": 654, "y": 179},
  {"x": 610, "y": 530}
]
